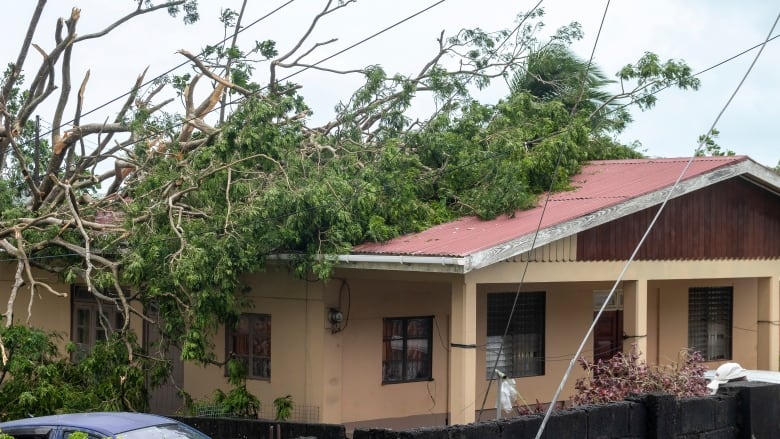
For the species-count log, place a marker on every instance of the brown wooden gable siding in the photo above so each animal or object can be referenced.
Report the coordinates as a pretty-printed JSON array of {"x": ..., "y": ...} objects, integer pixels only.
[{"x": 733, "y": 219}]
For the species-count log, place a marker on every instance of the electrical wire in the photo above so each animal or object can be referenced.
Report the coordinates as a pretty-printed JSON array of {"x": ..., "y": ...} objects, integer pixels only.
[
  {"x": 541, "y": 217},
  {"x": 647, "y": 232},
  {"x": 173, "y": 69},
  {"x": 538, "y": 139},
  {"x": 286, "y": 215},
  {"x": 435, "y": 175}
]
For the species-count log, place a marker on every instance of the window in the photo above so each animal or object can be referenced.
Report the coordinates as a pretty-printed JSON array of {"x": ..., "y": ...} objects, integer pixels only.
[
  {"x": 522, "y": 354},
  {"x": 709, "y": 321},
  {"x": 92, "y": 320},
  {"x": 406, "y": 350},
  {"x": 250, "y": 343}
]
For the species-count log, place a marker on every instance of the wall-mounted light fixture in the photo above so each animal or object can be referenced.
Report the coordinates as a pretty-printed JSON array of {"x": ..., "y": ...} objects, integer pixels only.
[{"x": 335, "y": 317}]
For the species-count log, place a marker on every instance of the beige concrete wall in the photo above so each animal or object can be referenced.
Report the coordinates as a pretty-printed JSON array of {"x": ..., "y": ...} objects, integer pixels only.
[
  {"x": 667, "y": 308},
  {"x": 341, "y": 373},
  {"x": 672, "y": 330},
  {"x": 569, "y": 314},
  {"x": 297, "y": 329},
  {"x": 46, "y": 310},
  {"x": 363, "y": 396}
]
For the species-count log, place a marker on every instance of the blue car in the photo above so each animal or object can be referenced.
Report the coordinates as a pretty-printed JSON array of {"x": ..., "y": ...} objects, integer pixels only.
[{"x": 100, "y": 425}]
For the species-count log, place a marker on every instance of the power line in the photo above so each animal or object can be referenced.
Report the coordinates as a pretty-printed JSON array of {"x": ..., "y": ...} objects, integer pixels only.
[
  {"x": 647, "y": 233},
  {"x": 541, "y": 216},
  {"x": 171, "y": 70},
  {"x": 242, "y": 98},
  {"x": 530, "y": 142},
  {"x": 435, "y": 175}
]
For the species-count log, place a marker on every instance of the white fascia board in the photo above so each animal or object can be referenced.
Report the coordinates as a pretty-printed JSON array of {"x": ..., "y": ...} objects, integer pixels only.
[
  {"x": 430, "y": 264},
  {"x": 427, "y": 264}
]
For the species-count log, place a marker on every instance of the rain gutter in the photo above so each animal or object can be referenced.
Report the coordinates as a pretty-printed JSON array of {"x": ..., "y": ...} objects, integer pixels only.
[{"x": 447, "y": 264}]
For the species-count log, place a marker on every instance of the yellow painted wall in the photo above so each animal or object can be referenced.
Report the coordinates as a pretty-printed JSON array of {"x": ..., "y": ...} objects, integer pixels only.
[
  {"x": 297, "y": 328},
  {"x": 340, "y": 373},
  {"x": 363, "y": 396},
  {"x": 569, "y": 314},
  {"x": 47, "y": 311},
  {"x": 672, "y": 330}
]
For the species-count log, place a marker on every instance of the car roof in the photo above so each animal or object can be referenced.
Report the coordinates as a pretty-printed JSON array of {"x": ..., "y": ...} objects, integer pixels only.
[{"x": 109, "y": 423}]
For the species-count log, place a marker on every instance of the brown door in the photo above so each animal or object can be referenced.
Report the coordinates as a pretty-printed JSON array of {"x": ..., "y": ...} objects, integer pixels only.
[{"x": 608, "y": 335}]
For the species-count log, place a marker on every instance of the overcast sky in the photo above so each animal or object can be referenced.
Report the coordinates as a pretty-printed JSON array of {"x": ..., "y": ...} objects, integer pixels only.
[{"x": 702, "y": 32}]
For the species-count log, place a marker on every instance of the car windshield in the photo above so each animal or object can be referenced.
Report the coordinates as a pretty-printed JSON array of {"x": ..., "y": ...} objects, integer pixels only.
[{"x": 168, "y": 431}]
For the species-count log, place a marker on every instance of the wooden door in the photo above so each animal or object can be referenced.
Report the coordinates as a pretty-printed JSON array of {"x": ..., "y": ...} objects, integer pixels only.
[{"x": 608, "y": 335}]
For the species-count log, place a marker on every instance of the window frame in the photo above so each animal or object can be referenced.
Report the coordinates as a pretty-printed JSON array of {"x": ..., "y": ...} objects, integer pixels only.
[
  {"x": 252, "y": 337},
  {"x": 389, "y": 337},
  {"x": 711, "y": 317},
  {"x": 82, "y": 300},
  {"x": 531, "y": 306}
]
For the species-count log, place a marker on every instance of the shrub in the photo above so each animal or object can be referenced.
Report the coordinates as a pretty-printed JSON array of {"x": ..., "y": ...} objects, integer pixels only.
[
  {"x": 284, "y": 406},
  {"x": 238, "y": 402},
  {"x": 626, "y": 374}
]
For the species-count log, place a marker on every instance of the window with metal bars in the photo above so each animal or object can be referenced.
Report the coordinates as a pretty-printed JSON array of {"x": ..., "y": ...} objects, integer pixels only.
[
  {"x": 522, "y": 353},
  {"x": 709, "y": 321},
  {"x": 406, "y": 350}
]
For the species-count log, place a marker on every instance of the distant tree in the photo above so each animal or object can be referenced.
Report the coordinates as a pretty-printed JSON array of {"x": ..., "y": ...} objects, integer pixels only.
[
  {"x": 555, "y": 73},
  {"x": 708, "y": 146}
]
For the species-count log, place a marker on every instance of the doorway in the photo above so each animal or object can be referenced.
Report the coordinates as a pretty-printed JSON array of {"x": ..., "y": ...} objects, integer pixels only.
[{"x": 608, "y": 332}]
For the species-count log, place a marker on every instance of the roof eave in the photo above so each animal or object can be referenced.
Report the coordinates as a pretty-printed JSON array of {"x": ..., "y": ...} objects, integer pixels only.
[{"x": 427, "y": 264}]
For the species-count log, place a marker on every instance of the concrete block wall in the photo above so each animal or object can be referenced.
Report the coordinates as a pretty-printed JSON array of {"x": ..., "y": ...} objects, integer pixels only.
[
  {"x": 741, "y": 410},
  {"x": 746, "y": 410}
]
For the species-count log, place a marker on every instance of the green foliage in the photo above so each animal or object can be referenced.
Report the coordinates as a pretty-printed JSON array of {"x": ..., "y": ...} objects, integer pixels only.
[
  {"x": 197, "y": 217},
  {"x": 189, "y": 8},
  {"x": 708, "y": 146},
  {"x": 651, "y": 76},
  {"x": 37, "y": 380},
  {"x": 238, "y": 402},
  {"x": 283, "y": 406}
]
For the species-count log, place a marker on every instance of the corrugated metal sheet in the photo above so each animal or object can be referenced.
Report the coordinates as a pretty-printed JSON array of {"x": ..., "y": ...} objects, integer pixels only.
[{"x": 599, "y": 185}]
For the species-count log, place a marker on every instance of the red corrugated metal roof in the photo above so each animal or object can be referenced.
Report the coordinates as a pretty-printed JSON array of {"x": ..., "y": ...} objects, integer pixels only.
[{"x": 599, "y": 185}]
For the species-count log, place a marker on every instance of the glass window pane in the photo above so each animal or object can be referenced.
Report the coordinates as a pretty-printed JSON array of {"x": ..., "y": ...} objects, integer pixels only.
[
  {"x": 522, "y": 350},
  {"x": 709, "y": 321},
  {"x": 406, "y": 349},
  {"x": 251, "y": 341}
]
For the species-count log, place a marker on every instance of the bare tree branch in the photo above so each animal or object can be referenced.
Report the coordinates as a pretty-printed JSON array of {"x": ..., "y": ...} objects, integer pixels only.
[{"x": 128, "y": 17}]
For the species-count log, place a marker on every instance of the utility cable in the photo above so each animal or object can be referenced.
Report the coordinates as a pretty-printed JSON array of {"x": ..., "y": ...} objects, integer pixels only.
[
  {"x": 436, "y": 175},
  {"x": 242, "y": 98},
  {"x": 173, "y": 69},
  {"x": 364, "y": 40},
  {"x": 630, "y": 260},
  {"x": 538, "y": 139},
  {"x": 541, "y": 216}
]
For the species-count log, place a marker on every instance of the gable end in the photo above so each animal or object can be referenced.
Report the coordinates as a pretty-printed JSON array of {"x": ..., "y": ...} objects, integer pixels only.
[{"x": 733, "y": 219}]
